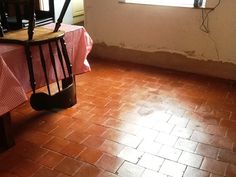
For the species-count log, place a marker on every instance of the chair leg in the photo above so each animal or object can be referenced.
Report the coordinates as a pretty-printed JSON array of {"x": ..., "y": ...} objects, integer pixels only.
[
  {"x": 66, "y": 57},
  {"x": 60, "y": 58},
  {"x": 43, "y": 63},
  {"x": 30, "y": 67},
  {"x": 54, "y": 65}
]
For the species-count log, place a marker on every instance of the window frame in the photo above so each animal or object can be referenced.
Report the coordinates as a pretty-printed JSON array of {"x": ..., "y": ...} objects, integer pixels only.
[{"x": 195, "y": 4}]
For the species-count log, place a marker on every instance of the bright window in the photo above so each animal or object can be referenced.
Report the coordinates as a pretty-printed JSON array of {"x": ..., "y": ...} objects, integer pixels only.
[{"x": 178, "y": 3}]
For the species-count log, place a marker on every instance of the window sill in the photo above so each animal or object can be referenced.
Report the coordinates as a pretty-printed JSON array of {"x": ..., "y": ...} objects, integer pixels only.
[{"x": 153, "y": 3}]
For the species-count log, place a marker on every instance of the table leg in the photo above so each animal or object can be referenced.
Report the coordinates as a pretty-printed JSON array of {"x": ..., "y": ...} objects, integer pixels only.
[{"x": 6, "y": 134}]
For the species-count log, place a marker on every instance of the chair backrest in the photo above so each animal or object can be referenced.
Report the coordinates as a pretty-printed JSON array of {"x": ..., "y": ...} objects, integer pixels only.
[
  {"x": 12, "y": 13},
  {"x": 30, "y": 5},
  {"x": 3, "y": 20},
  {"x": 62, "y": 14}
]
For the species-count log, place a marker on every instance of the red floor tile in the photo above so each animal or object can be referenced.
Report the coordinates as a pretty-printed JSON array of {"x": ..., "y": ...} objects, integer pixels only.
[
  {"x": 36, "y": 137},
  {"x": 109, "y": 163},
  {"x": 51, "y": 159},
  {"x": 231, "y": 171},
  {"x": 7, "y": 174},
  {"x": 25, "y": 168},
  {"x": 151, "y": 173},
  {"x": 207, "y": 150},
  {"x": 96, "y": 129},
  {"x": 214, "y": 166},
  {"x": 93, "y": 141},
  {"x": 130, "y": 170},
  {"x": 111, "y": 147},
  {"x": 45, "y": 172},
  {"x": 150, "y": 146},
  {"x": 151, "y": 162},
  {"x": 130, "y": 154},
  {"x": 88, "y": 171},
  {"x": 72, "y": 149},
  {"x": 29, "y": 150},
  {"x": 166, "y": 139},
  {"x": 170, "y": 153},
  {"x": 182, "y": 132},
  {"x": 77, "y": 137},
  {"x": 194, "y": 172},
  {"x": 186, "y": 145},
  {"x": 68, "y": 166},
  {"x": 227, "y": 156},
  {"x": 172, "y": 168},
  {"x": 190, "y": 159},
  {"x": 56, "y": 144},
  {"x": 90, "y": 155}
]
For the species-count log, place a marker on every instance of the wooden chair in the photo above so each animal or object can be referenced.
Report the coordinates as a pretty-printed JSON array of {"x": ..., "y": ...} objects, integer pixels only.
[{"x": 40, "y": 37}]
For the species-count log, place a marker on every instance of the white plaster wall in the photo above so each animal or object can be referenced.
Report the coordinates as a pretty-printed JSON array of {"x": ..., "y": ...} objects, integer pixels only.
[{"x": 158, "y": 28}]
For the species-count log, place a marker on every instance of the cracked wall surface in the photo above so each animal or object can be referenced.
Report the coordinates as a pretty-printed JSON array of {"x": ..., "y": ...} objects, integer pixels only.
[{"x": 155, "y": 30}]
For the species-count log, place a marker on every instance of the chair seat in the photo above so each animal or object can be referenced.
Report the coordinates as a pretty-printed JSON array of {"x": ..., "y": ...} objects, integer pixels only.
[{"x": 41, "y": 34}]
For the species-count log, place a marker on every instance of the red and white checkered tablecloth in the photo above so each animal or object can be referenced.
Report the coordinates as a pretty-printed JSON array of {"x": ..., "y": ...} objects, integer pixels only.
[
  {"x": 11, "y": 91},
  {"x": 14, "y": 77}
]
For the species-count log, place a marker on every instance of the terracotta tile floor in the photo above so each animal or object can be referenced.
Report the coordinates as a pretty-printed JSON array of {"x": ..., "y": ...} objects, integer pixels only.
[{"x": 130, "y": 121}]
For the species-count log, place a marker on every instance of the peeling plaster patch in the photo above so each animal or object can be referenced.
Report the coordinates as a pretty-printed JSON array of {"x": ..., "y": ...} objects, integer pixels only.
[
  {"x": 167, "y": 59},
  {"x": 190, "y": 53},
  {"x": 122, "y": 44}
]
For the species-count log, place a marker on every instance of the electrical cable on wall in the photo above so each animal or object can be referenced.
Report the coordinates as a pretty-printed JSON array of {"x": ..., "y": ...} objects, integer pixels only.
[
  {"x": 205, "y": 14},
  {"x": 205, "y": 25},
  {"x": 215, "y": 45}
]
